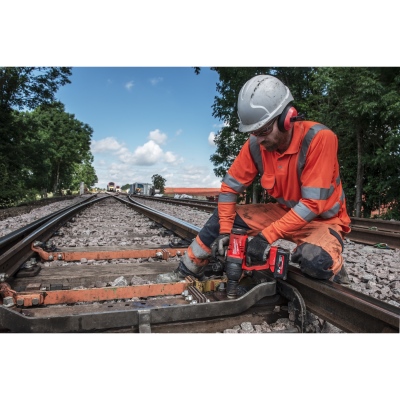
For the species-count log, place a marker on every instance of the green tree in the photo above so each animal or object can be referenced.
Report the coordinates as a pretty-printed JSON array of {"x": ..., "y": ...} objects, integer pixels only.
[
  {"x": 361, "y": 105},
  {"x": 84, "y": 172},
  {"x": 158, "y": 182},
  {"x": 30, "y": 87},
  {"x": 22, "y": 88},
  {"x": 67, "y": 144}
]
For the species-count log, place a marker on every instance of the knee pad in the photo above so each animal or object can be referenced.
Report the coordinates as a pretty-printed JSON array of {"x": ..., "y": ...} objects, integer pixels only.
[{"x": 313, "y": 261}]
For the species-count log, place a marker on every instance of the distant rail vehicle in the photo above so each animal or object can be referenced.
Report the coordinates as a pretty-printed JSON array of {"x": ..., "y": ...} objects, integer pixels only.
[{"x": 145, "y": 189}]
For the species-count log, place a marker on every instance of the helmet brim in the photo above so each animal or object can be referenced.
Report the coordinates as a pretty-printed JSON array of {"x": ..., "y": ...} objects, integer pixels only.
[{"x": 253, "y": 127}]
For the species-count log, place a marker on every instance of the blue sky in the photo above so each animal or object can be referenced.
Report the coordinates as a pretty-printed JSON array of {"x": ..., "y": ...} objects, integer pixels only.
[{"x": 146, "y": 121}]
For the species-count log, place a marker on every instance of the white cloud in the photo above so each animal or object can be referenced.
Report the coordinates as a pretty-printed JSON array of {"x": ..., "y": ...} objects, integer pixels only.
[
  {"x": 211, "y": 138},
  {"x": 155, "y": 81},
  {"x": 171, "y": 158},
  {"x": 158, "y": 137},
  {"x": 129, "y": 85},
  {"x": 114, "y": 161},
  {"x": 148, "y": 154},
  {"x": 105, "y": 145}
]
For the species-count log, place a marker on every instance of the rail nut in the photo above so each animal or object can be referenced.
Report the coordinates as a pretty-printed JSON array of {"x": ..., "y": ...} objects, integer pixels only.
[
  {"x": 35, "y": 301},
  {"x": 20, "y": 302},
  {"x": 59, "y": 257},
  {"x": 51, "y": 258},
  {"x": 27, "y": 265},
  {"x": 175, "y": 241},
  {"x": 8, "y": 301},
  {"x": 159, "y": 254}
]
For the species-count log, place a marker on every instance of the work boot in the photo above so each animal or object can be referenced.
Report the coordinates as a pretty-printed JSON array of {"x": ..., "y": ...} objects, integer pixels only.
[
  {"x": 178, "y": 275},
  {"x": 342, "y": 277}
]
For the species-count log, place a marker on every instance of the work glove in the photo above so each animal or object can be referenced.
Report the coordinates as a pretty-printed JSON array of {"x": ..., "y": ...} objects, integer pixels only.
[
  {"x": 257, "y": 250},
  {"x": 218, "y": 246}
]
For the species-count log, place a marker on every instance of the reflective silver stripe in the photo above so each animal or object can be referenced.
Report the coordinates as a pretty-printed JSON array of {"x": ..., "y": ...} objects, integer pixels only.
[
  {"x": 316, "y": 193},
  {"x": 190, "y": 265},
  {"x": 287, "y": 203},
  {"x": 304, "y": 147},
  {"x": 313, "y": 193},
  {"x": 304, "y": 212},
  {"x": 198, "y": 251},
  {"x": 233, "y": 183},
  {"x": 227, "y": 198},
  {"x": 332, "y": 212},
  {"x": 256, "y": 154}
]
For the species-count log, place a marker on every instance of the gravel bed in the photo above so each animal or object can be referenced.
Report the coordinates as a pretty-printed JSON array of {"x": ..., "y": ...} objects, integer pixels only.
[
  {"x": 372, "y": 271},
  {"x": 22, "y": 217}
]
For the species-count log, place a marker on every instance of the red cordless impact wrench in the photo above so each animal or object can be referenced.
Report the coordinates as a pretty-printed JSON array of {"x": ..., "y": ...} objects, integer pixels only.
[{"x": 277, "y": 261}]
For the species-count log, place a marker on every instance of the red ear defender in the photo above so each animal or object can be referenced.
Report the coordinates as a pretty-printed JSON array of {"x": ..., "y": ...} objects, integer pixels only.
[{"x": 285, "y": 120}]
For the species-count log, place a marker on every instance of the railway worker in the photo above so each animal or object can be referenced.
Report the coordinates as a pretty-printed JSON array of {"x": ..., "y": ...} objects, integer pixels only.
[{"x": 298, "y": 164}]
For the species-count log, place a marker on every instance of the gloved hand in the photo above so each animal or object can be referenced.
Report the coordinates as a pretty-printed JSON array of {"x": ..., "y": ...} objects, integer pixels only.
[
  {"x": 219, "y": 244},
  {"x": 257, "y": 250}
]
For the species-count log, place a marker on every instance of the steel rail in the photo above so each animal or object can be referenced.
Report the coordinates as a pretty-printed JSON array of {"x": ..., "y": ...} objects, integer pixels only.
[
  {"x": 372, "y": 237},
  {"x": 349, "y": 310},
  {"x": 367, "y": 313},
  {"x": 376, "y": 224},
  {"x": 345, "y": 308},
  {"x": 12, "y": 259},
  {"x": 364, "y": 230},
  {"x": 7, "y": 241},
  {"x": 199, "y": 204},
  {"x": 185, "y": 230}
]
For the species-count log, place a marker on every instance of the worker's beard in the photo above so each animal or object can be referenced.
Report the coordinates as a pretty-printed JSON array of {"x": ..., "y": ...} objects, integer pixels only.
[
  {"x": 271, "y": 147},
  {"x": 281, "y": 144}
]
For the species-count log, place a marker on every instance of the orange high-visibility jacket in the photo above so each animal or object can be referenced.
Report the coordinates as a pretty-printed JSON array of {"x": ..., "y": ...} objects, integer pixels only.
[{"x": 304, "y": 180}]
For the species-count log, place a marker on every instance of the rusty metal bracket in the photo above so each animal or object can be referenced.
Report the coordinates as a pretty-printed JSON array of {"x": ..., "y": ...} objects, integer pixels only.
[
  {"x": 72, "y": 296},
  {"x": 105, "y": 254}
]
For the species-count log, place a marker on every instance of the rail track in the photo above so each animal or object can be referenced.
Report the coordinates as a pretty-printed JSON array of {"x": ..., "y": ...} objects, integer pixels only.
[
  {"x": 72, "y": 296},
  {"x": 364, "y": 230}
]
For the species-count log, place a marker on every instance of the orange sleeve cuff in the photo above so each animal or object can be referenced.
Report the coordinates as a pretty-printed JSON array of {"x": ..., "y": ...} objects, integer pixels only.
[
  {"x": 285, "y": 226},
  {"x": 226, "y": 214}
]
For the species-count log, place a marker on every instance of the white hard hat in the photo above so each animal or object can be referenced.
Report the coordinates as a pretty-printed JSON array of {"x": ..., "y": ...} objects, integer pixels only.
[{"x": 261, "y": 99}]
